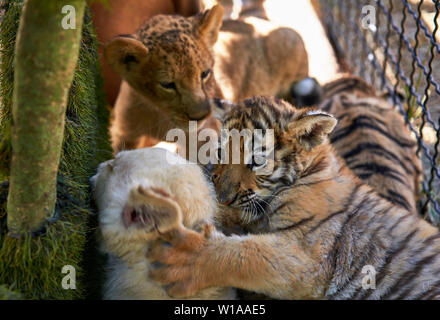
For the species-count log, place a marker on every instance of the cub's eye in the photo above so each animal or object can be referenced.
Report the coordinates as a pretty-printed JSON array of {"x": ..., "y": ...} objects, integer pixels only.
[
  {"x": 205, "y": 74},
  {"x": 168, "y": 85},
  {"x": 214, "y": 177},
  {"x": 258, "y": 163}
]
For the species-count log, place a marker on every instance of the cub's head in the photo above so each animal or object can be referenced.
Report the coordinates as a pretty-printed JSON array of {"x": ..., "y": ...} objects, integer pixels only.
[
  {"x": 170, "y": 62},
  {"x": 145, "y": 191},
  {"x": 297, "y": 153}
]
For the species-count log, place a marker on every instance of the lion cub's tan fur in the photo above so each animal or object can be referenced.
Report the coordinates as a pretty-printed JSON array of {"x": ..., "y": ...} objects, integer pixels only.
[
  {"x": 140, "y": 193},
  {"x": 173, "y": 65}
]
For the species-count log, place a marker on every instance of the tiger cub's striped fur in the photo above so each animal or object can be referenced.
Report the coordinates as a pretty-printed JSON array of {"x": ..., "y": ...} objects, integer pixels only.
[
  {"x": 313, "y": 225},
  {"x": 373, "y": 139}
]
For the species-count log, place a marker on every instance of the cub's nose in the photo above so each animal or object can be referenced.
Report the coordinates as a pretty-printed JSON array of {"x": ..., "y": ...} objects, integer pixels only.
[
  {"x": 200, "y": 112},
  {"x": 226, "y": 198}
]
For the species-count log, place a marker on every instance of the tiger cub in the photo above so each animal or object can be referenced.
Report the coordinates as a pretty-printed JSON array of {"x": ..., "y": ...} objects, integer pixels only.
[
  {"x": 373, "y": 139},
  {"x": 315, "y": 230}
]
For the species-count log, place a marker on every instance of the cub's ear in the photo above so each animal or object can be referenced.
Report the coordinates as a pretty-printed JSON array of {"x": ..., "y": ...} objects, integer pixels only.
[
  {"x": 124, "y": 54},
  {"x": 209, "y": 25},
  {"x": 311, "y": 127}
]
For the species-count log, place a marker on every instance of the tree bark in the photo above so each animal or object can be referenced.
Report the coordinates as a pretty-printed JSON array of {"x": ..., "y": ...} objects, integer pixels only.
[{"x": 45, "y": 58}]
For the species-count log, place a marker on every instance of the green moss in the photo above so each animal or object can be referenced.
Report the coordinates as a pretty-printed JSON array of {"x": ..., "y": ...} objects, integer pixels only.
[
  {"x": 6, "y": 294},
  {"x": 32, "y": 266},
  {"x": 8, "y": 32}
]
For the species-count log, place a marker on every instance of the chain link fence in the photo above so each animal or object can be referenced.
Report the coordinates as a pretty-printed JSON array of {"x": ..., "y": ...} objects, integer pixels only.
[{"x": 395, "y": 45}]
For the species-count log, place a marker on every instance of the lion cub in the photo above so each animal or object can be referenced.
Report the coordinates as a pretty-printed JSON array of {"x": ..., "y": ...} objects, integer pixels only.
[
  {"x": 132, "y": 193},
  {"x": 173, "y": 65}
]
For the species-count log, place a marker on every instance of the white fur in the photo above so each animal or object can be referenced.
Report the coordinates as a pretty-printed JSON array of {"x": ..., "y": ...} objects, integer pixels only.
[
  {"x": 318, "y": 112},
  {"x": 127, "y": 274}
]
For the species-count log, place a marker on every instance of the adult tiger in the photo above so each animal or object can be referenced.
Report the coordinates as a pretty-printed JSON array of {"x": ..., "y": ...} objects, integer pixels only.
[
  {"x": 373, "y": 139},
  {"x": 313, "y": 225}
]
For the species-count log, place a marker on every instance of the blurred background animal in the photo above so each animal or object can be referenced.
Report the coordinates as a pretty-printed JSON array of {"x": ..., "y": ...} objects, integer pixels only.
[{"x": 374, "y": 140}]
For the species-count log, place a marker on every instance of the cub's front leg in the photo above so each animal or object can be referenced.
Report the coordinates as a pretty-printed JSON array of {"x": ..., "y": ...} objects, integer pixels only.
[{"x": 273, "y": 264}]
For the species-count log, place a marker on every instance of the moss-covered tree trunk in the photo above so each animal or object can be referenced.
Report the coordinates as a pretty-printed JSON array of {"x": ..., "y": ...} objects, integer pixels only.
[
  {"x": 45, "y": 59},
  {"x": 31, "y": 267}
]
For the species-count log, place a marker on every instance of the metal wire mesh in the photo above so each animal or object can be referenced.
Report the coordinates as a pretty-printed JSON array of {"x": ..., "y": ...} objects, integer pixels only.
[{"x": 395, "y": 45}]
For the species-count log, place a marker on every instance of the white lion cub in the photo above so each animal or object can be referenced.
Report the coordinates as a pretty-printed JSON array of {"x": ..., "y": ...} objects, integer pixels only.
[{"x": 138, "y": 194}]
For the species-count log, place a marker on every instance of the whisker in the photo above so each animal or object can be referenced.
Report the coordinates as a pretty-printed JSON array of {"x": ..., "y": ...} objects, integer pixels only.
[{"x": 262, "y": 208}]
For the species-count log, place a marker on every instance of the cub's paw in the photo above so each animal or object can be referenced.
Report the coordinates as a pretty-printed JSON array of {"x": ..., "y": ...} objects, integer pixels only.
[
  {"x": 152, "y": 209},
  {"x": 180, "y": 262}
]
